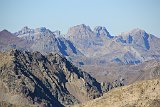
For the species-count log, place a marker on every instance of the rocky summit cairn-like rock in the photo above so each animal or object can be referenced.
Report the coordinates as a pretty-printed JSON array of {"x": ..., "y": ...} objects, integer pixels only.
[{"x": 31, "y": 79}]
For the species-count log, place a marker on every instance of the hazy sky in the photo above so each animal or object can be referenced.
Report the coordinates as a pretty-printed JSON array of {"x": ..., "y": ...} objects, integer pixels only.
[{"x": 116, "y": 15}]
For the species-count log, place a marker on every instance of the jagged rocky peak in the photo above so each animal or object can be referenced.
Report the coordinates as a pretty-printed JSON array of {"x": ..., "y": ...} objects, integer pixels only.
[
  {"x": 82, "y": 26},
  {"x": 80, "y": 31},
  {"x": 24, "y": 30},
  {"x": 134, "y": 32},
  {"x": 137, "y": 30},
  {"x": 35, "y": 34},
  {"x": 102, "y": 31},
  {"x": 139, "y": 33},
  {"x": 41, "y": 29},
  {"x": 27, "y": 31},
  {"x": 137, "y": 36}
]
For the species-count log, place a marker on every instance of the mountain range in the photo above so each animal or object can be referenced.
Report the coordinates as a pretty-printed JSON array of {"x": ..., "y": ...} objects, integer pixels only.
[
  {"x": 40, "y": 67},
  {"x": 100, "y": 47},
  {"x": 86, "y": 46}
]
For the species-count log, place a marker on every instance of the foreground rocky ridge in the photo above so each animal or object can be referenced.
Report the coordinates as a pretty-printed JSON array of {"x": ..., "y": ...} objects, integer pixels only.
[
  {"x": 31, "y": 79},
  {"x": 140, "y": 94}
]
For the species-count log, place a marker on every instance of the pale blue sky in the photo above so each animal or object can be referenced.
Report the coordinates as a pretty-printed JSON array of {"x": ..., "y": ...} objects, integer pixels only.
[{"x": 116, "y": 15}]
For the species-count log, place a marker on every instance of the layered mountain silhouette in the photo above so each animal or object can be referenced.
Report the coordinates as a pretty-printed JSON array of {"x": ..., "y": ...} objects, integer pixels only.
[
  {"x": 38, "y": 67},
  {"x": 9, "y": 41},
  {"x": 100, "y": 47},
  {"x": 46, "y": 41},
  {"x": 86, "y": 46}
]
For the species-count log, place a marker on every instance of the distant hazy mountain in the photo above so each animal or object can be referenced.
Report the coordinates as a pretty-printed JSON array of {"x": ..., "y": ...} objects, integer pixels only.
[
  {"x": 90, "y": 47},
  {"x": 46, "y": 41},
  {"x": 87, "y": 41},
  {"x": 9, "y": 41},
  {"x": 100, "y": 47}
]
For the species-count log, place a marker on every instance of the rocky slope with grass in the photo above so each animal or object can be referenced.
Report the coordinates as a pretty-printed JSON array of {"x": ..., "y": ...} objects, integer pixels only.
[{"x": 140, "y": 94}]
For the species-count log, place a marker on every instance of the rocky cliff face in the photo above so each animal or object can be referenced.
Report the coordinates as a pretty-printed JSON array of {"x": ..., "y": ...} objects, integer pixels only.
[{"x": 31, "y": 79}]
